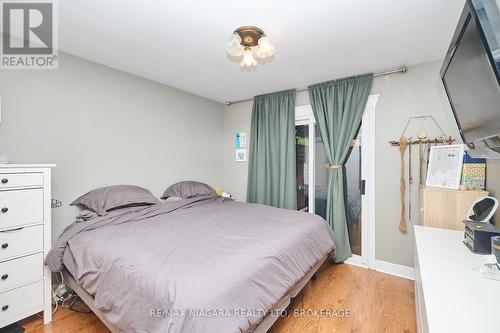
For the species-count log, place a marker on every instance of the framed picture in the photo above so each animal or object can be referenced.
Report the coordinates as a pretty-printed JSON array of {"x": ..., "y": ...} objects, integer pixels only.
[
  {"x": 445, "y": 166},
  {"x": 241, "y": 140},
  {"x": 241, "y": 155}
]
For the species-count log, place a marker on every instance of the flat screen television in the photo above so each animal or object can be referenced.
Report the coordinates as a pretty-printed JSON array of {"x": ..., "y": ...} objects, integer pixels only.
[{"x": 471, "y": 77}]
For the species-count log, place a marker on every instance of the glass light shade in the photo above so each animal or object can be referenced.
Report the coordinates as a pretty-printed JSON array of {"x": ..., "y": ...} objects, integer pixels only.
[
  {"x": 248, "y": 60},
  {"x": 265, "y": 48},
  {"x": 234, "y": 47}
]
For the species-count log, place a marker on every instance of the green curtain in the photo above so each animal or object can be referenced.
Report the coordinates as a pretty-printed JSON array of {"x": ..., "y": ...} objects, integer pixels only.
[
  {"x": 338, "y": 107},
  {"x": 271, "y": 170}
]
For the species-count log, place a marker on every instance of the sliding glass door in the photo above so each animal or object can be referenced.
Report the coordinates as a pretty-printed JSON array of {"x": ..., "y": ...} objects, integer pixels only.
[
  {"x": 312, "y": 178},
  {"x": 310, "y": 148}
]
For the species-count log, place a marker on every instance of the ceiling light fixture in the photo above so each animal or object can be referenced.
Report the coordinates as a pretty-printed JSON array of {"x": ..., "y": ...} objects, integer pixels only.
[{"x": 249, "y": 42}]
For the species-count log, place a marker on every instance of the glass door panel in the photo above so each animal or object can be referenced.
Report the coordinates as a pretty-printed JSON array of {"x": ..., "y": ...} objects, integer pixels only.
[
  {"x": 353, "y": 194},
  {"x": 352, "y": 188},
  {"x": 302, "y": 166}
]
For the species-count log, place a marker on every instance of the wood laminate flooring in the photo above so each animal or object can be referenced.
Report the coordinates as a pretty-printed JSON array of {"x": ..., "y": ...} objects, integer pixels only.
[{"x": 343, "y": 298}]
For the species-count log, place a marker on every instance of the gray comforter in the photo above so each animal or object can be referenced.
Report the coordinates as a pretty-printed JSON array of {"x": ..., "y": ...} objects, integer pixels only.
[{"x": 195, "y": 265}]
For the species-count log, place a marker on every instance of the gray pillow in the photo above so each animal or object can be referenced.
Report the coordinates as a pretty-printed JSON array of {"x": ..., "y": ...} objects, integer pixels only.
[
  {"x": 188, "y": 189},
  {"x": 107, "y": 198}
]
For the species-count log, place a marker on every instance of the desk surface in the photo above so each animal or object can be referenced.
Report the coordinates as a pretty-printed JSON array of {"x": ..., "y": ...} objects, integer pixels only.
[{"x": 457, "y": 297}]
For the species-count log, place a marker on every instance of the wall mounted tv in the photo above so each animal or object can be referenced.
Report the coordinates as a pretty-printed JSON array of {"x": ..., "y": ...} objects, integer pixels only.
[{"x": 471, "y": 77}]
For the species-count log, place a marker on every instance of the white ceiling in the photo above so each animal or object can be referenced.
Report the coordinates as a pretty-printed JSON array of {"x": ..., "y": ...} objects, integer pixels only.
[{"x": 181, "y": 43}]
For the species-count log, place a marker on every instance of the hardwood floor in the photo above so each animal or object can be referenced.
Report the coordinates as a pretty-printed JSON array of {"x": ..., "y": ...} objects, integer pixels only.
[
  {"x": 65, "y": 321},
  {"x": 377, "y": 302},
  {"x": 372, "y": 302}
]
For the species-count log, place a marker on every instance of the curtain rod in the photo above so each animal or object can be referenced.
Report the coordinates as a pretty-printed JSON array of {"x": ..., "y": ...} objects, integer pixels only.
[{"x": 403, "y": 69}]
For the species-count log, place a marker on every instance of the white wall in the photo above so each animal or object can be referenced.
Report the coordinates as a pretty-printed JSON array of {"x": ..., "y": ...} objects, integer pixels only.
[
  {"x": 237, "y": 118},
  {"x": 151, "y": 135},
  {"x": 103, "y": 127},
  {"x": 418, "y": 92}
]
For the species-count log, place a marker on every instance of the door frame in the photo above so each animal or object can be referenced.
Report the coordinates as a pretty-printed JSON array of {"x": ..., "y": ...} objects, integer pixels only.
[{"x": 304, "y": 116}]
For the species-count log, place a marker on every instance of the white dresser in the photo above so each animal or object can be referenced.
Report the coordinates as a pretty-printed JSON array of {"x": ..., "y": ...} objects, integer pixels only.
[
  {"x": 451, "y": 294},
  {"x": 25, "y": 232}
]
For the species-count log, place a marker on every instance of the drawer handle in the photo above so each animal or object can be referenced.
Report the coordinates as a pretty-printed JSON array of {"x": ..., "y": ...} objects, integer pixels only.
[
  {"x": 11, "y": 230},
  {"x": 5, "y": 245},
  {"x": 5, "y": 210},
  {"x": 5, "y": 276},
  {"x": 5, "y": 181},
  {"x": 5, "y": 307}
]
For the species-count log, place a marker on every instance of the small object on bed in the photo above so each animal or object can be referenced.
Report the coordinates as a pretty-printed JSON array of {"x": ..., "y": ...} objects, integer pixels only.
[
  {"x": 218, "y": 191},
  {"x": 105, "y": 199}
]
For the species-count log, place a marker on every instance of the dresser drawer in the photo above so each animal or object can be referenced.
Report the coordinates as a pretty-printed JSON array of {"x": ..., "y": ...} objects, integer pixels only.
[
  {"x": 21, "y": 301},
  {"x": 12, "y": 180},
  {"x": 22, "y": 241},
  {"x": 17, "y": 272},
  {"x": 20, "y": 207}
]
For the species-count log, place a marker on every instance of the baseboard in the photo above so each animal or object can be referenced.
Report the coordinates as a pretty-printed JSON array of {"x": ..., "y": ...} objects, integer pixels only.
[
  {"x": 354, "y": 262},
  {"x": 395, "y": 269}
]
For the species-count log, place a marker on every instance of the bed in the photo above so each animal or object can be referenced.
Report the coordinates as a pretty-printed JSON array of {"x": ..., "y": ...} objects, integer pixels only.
[{"x": 196, "y": 265}]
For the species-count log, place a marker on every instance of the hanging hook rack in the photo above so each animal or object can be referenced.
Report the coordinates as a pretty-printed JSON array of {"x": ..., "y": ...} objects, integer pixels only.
[
  {"x": 423, "y": 118},
  {"x": 444, "y": 139}
]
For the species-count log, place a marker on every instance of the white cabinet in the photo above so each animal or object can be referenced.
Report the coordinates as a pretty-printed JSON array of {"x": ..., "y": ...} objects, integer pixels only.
[
  {"x": 451, "y": 293},
  {"x": 25, "y": 229}
]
